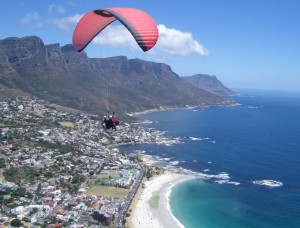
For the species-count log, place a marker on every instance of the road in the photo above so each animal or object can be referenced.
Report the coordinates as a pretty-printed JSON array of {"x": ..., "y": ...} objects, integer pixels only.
[{"x": 128, "y": 198}]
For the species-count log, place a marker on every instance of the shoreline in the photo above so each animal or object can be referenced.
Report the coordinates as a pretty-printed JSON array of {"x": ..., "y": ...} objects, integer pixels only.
[
  {"x": 161, "y": 109},
  {"x": 156, "y": 191},
  {"x": 159, "y": 188}
]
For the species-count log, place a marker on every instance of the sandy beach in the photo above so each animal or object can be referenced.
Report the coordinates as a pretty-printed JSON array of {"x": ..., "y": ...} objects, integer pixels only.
[
  {"x": 156, "y": 191},
  {"x": 160, "y": 109}
]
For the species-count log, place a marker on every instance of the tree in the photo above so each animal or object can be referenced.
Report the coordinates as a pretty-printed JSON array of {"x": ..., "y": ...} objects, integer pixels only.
[
  {"x": 148, "y": 174},
  {"x": 16, "y": 222},
  {"x": 1, "y": 199},
  {"x": 77, "y": 179},
  {"x": 21, "y": 192}
]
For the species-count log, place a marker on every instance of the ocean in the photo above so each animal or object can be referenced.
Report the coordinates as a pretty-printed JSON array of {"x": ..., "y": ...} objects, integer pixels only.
[{"x": 249, "y": 154}]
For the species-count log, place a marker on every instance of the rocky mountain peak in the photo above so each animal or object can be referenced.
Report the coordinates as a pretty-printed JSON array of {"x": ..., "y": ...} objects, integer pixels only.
[{"x": 209, "y": 83}]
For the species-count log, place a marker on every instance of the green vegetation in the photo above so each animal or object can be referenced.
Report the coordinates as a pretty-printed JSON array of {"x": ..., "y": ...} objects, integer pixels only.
[
  {"x": 72, "y": 188},
  {"x": 15, "y": 194},
  {"x": 57, "y": 145},
  {"x": 67, "y": 124},
  {"x": 34, "y": 210},
  {"x": 21, "y": 174},
  {"x": 152, "y": 171},
  {"x": 111, "y": 175},
  {"x": 2, "y": 163},
  {"x": 149, "y": 174},
  {"x": 1, "y": 175},
  {"x": 154, "y": 201},
  {"x": 135, "y": 158},
  {"x": 77, "y": 179},
  {"x": 99, "y": 190},
  {"x": 73, "y": 184},
  {"x": 16, "y": 223}
]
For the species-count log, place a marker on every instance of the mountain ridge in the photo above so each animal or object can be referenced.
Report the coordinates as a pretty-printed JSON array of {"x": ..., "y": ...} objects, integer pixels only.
[
  {"x": 209, "y": 83},
  {"x": 63, "y": 76}
]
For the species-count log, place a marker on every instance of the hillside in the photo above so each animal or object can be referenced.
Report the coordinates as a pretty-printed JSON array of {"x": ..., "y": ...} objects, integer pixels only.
[
  {"x": 65, "y": 77},
  {"x": 209, "y": 83}
]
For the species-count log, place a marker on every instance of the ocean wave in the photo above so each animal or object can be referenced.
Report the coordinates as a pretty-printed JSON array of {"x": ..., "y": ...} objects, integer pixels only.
[
  {"x": 227, "y": 182},
  {"x": 195, "y": 139},
  {"x": 147, "y": 122},
  {"x": 269, "y": 183},
  {"x": 201, "y": 138},
  {"x": 174, "y": 162},
  {"x": 168, "y": 142},
  {"x": 250, "y": 106},
  {"x": 139, "y": 151},
  {"x": 223, "y": 176},
  {"x": 220, "y": 176},
  {"x": 170, "y": 210}
]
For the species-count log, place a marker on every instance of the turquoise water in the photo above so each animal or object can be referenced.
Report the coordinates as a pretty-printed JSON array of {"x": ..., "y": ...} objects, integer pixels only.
[{"x": 258, "y": 140}]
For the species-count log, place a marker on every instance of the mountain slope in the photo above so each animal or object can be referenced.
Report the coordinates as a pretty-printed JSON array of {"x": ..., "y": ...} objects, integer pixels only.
[
  {"x": 210, "y": 84},
  {"x": 63, "y": 76}
]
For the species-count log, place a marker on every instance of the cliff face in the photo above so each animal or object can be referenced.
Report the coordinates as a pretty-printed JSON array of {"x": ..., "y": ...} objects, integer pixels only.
[
  {"x": 63, "y": 76},
  {"x": 209, "y": 83}
]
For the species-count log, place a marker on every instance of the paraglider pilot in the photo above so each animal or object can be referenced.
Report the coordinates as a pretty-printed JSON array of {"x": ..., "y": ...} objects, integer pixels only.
[{"x": 110, "y": 122}]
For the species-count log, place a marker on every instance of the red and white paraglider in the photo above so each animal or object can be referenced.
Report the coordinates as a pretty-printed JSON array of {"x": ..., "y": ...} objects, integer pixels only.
[{"x": 142, "y": 27}]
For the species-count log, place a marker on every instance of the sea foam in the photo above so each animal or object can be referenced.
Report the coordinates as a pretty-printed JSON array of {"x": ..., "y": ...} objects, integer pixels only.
[
  {"x": 195, "y": 139},
  {"x": 227, "y": 182},
  {"x": 269, "y": 183}
]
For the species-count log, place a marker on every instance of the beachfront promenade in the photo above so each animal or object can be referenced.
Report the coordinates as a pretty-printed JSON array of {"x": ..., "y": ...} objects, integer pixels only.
[{"x": 129, "y": 198}]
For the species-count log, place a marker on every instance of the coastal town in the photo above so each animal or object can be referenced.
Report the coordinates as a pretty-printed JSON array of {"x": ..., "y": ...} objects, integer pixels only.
[{"x": 61, "y": 168}]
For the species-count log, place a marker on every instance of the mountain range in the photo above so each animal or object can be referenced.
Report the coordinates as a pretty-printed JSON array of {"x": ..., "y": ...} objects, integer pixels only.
[
  {"x": 209, "y": 83},
  {"x": 62, "y": 76}
]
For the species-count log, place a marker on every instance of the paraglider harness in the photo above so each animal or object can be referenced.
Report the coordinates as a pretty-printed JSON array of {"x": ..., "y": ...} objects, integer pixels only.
[{"x": 110, "y": 122}]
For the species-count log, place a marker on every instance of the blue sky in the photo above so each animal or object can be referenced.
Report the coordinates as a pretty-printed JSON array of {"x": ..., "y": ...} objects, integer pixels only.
[{"x": 245, "y": 43}]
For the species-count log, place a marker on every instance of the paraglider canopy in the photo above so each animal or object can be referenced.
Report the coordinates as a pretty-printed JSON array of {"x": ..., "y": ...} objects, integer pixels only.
[{"x": 142, "y": 27}]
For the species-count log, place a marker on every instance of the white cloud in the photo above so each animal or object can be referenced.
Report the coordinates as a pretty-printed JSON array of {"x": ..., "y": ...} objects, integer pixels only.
[
  {"x": 30, "y": 18},
  {"x": 65, "y": 22},
  {"x": 55, "y": 8},
  {"x": 116, "y": 36},
  {"x": 171, "y": 41},
  {"x": 176, "y": 42},
  {"x": 72, "y": 3}
]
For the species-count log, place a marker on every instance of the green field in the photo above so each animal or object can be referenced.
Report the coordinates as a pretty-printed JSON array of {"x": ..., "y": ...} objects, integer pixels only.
[
  {"x": 100, "y": 190},
  {"x": 67, "y": 124},
  {"x": 1, "y": 175},
  {"x": 106, "y": 176}
]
